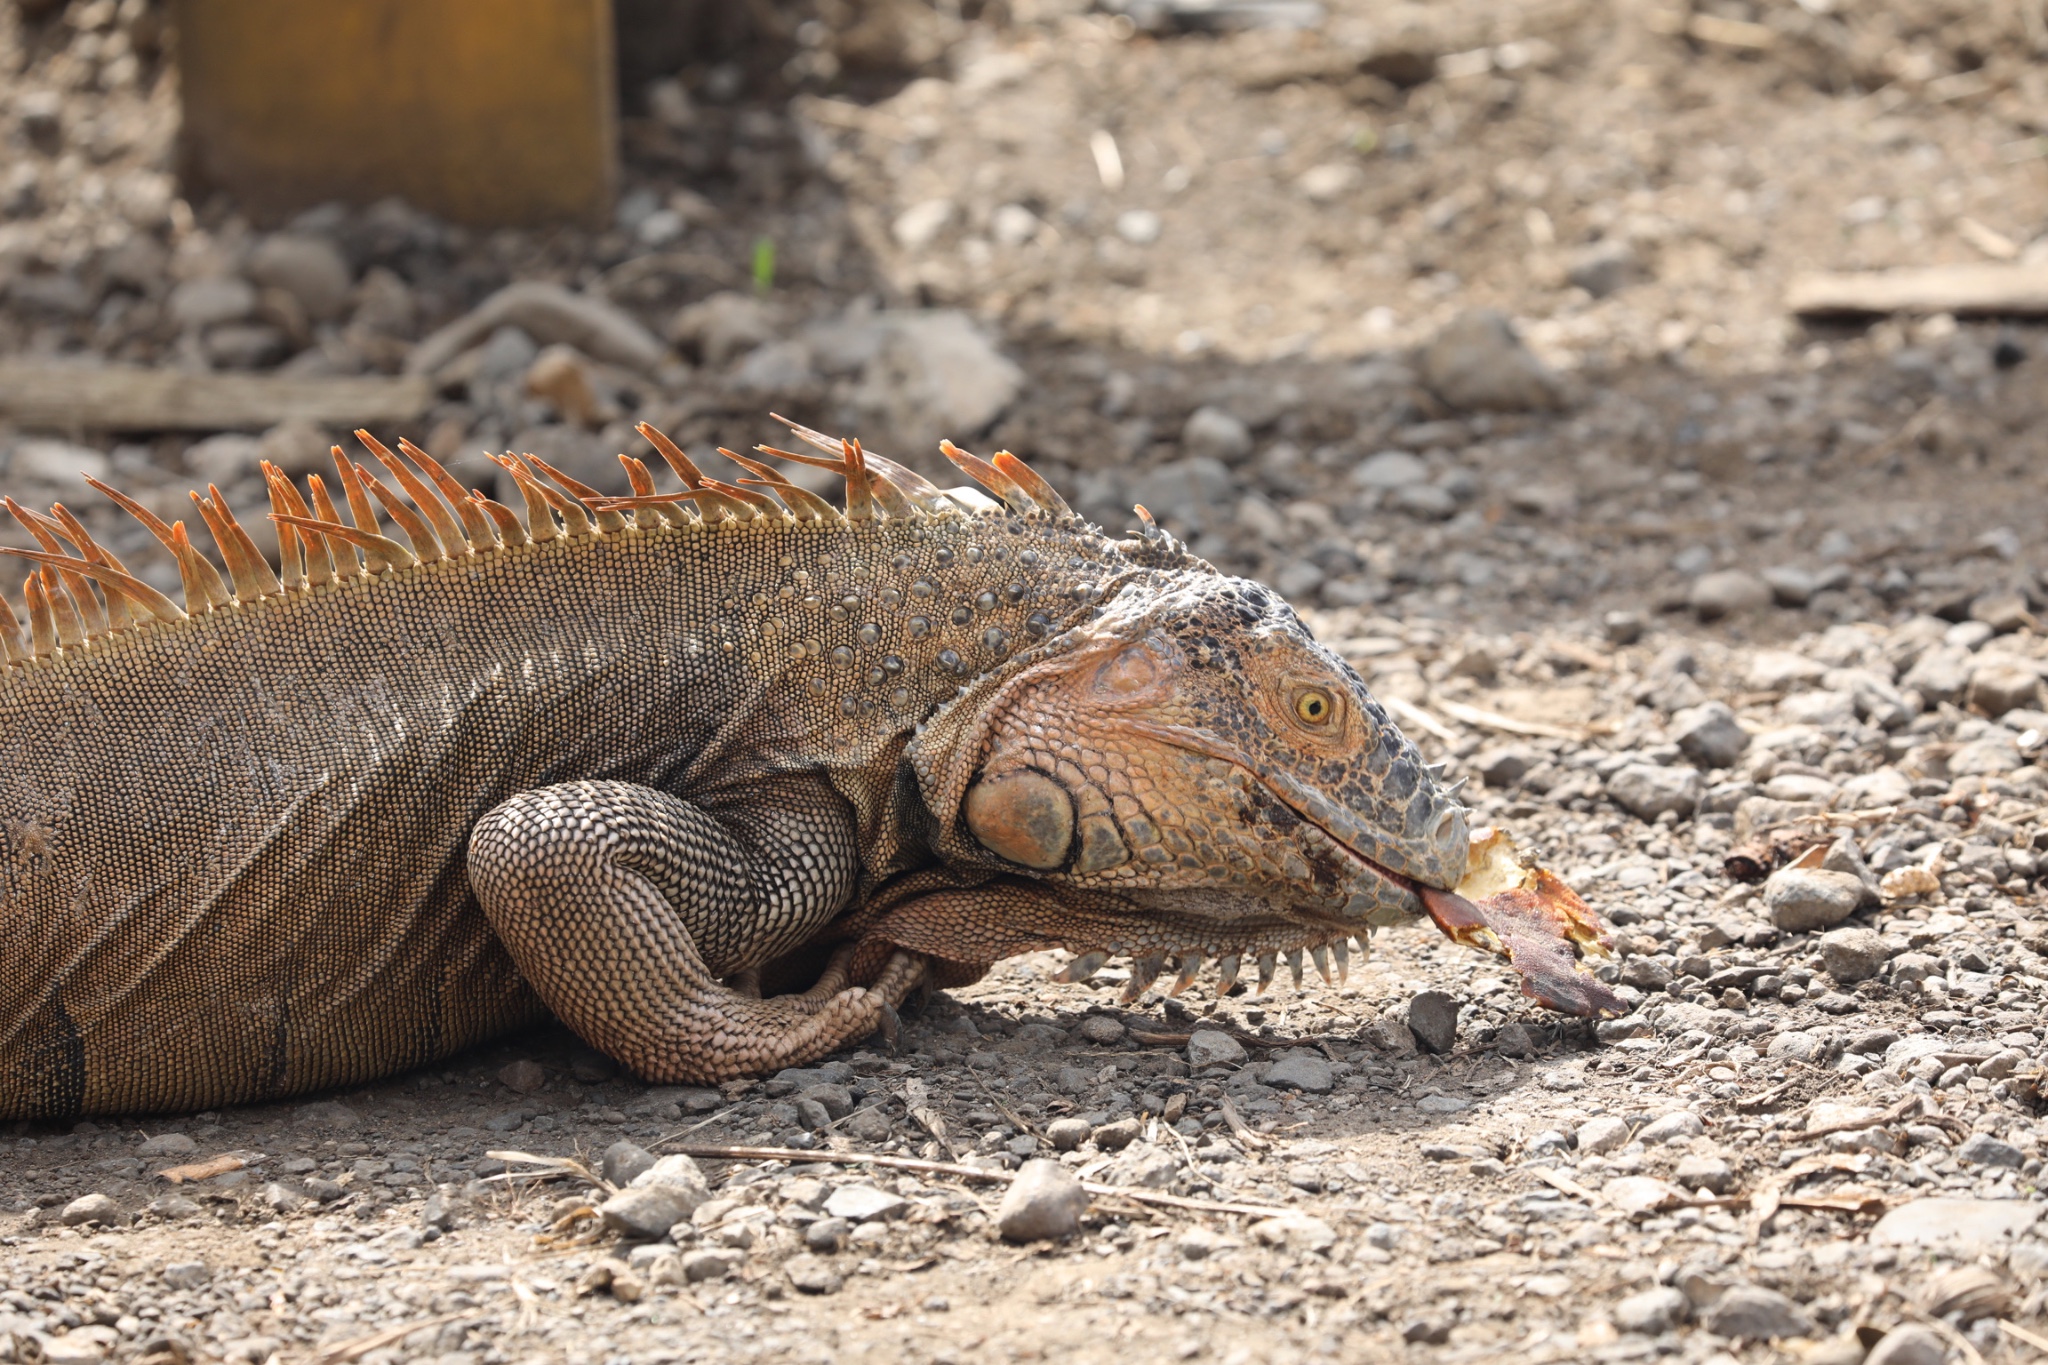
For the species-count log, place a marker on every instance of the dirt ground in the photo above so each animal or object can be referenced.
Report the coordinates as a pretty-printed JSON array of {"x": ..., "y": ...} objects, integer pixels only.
[{"x": 1217, "y": 258}]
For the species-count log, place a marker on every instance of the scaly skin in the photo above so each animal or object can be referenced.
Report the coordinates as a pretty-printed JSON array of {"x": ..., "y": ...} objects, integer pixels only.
[{"x": 327, "y": 825}]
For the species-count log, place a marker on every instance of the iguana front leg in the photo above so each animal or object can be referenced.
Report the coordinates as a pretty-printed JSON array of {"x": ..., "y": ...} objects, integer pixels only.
[{"x": 623, "y": 906}]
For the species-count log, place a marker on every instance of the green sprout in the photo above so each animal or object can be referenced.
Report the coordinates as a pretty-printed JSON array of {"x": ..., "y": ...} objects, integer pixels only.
[{"x": 764, "y": 264}]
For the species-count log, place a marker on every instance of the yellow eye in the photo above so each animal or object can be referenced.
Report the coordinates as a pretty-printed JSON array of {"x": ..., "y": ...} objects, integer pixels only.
[{"x": 1314, "y": 707}]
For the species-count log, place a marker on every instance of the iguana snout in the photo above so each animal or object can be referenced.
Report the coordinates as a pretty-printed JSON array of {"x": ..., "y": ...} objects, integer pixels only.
[{"x": 1199, "y": 760}]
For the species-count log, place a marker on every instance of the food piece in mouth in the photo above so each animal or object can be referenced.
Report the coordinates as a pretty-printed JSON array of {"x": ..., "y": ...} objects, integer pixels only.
[{"x": 1535, "y": 921}]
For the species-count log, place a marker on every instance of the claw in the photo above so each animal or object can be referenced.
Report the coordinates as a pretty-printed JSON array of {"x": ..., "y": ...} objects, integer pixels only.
[
  {"x": 1294, "y": 965},
  {"x": 1190, "y": 964},
  {"x": 1144, "y": 971},
  {"x": 1320, "y": 955},
  {"x": 1265, "y": 972},
  {"x": 1341, "y": 950},
  {"x": 890, "y": 1027},
  {"x": 1082, "y": 967},
  {"x": 1226, "y": 974}
]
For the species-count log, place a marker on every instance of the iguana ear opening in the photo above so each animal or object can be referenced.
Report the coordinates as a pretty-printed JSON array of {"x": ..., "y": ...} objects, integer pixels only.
[{"x": 1023, "y": 816}]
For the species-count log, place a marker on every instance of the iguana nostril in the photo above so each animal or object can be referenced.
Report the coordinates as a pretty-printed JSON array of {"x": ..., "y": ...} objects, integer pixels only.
[{"x": 1025, "y": 817}]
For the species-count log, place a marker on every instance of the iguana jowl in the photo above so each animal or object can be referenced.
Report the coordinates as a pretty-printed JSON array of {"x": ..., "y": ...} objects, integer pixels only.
[{"x": 628, "y": 759}]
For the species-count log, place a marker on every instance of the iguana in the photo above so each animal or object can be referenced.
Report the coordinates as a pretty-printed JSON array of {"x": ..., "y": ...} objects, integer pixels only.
[{"x": 629, "y": 758}]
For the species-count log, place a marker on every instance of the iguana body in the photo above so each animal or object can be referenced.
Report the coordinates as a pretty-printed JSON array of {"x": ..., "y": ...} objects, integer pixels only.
[{"x": 322, "y": 830}]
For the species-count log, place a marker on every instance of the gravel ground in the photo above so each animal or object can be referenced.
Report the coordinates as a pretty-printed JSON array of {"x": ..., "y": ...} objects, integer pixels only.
[{"x": 1729, "y": 621}]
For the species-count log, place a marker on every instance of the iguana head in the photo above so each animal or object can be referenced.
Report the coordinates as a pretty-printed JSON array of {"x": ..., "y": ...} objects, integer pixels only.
[{"x": 1192, "y": 755}]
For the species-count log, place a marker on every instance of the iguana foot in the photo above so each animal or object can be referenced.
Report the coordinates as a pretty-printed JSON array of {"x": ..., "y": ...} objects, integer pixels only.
[{"x": 604, "y": 892}]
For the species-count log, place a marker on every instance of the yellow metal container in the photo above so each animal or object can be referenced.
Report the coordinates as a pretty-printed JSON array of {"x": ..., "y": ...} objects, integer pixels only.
[{"x": 487, "y": 112}]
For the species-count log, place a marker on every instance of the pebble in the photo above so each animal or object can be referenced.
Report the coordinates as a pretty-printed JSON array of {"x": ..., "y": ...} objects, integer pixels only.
[
  {"x": 1433, "y": 1019},
  {"x": 93, "y": 1208},
  {"x": 1647, "y": 790},
  {"x": 1300, "y": 1069},
  {"x": 1790, "y": 586},
  {"x": 624, "y": 1161},
  {"x": 1982, "y": 1149},
  {"x": 1700, "y": 1170},
  {"x": 1101, "y": 1030},
  {"x": 1389, "y": 471},
  {"x": 1998, "y": 688},
  {"x": 1213, "y": 1047},
  {"x": 1066, "y": 1134},
  {"x": 1853, "y": 954},
  {"x": 523, "y": 1077},
  {"x": 710, "y": 1263},
  {"x": 1727, "y": 592},
  {"x": 1117, "y": 1135},
  {"x": 1803, "y": 899},
  {"x": 1966, "y": 1223},
  {"x": 1908, "y": 1344},
  {"x": 812, "y": 1274},
  {"x": 649, "y": 1211},
  {"x": 311, "y": 269},
  {"x": 198, "y": 304},
  {"x": 1709, "y": 734},
  {"x": 186, "y": 1275},
  {"x": 167, "y": 1144},
  {"x": 1044, "y": 1203},
  {"x": 1477, "y": 362},
  {"x": 1604, "y": 1134},
  {"x": 1296, "y": 1232},
  {"x": 1749, "y": 1312},
  {"x": 1652, "y": 1311},
  {"x": 1215, "y": 434},
  {"x": 1680, "y": 1126},
  {"x": 864, "y": 1204},
  {"x": 827, "y": 1234}
]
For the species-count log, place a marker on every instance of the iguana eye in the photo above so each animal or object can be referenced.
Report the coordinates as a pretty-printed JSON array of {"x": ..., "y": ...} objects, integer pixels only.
[{"x": 1313, "y": 706}]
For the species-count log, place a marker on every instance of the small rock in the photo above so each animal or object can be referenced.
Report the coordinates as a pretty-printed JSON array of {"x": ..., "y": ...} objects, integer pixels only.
[
  {"x": 1749, "y": 1312},
  {"x": 1853, "y": 954},
  {"x": 1790, "y": 586},
  {"x": 918, "y": 226},
  {"x": 1504, "y": 766},
  {"x": 827, "y": 1234},
  {"x": 1793, "y": 1045},
  {"x": 725, "y": 326},
  {"x": 1044, "y": 1203},
  {"x": 1982, "y": 1149},
  {"x": 198, "y": 304},
  {"x": 1198, "y": 1244},
  {"x": 1728, "y": 592},
  {"x": 1144, "y": 1165},
  {"x": 1066, "y": 1134},
  {"x": 1652, "y": 1311},
  {"x": 1301, "y": 1069},
  {"x": 1214, "y": 433},
  {"x": 1100, "y": 1029},
  {"x": 1390, "y": 1034},
  {"x": 1941, "y": 673},
  {"x": 1426, "y": 1331},
  {"x": 1139, "y": 227},
  {"x": 649, "y": 1211},
  {"x": 626, "y": 1161},
  {"x": 1294, "y": 1231},
  {"x": 811, "y": 1275},
  {"x": 1802, "y": 899},
  {"x": 1515, "y": 1040},
  {"x": 1647, "y": 790},
  {"x": 1908, "y": 1344},
  {"x": 59, "y": 465},
  {"x": 1604, "y": 267},
  {"x": 167, "y": 1144},
  {"x": 309, "y": 268},
  {"x": 710, "y": 1263},
  {"x": 864, "y": 1204},
  {"x": 1477, "y": 361},
  {"x": 1709, "y": 735},
  {"x": 1678, "y": 1126},
  {"x": 936, "y": 374},
  {"x": 1213, "y": 1047},
  {"x": 281, "y": 1197},
  {"x": 1968, "y": 1223},
  {"x": 1623, "y": 627},
  {"x": 1698, "y": 1170},
  {"x": 1996, "y": 688},
  {"x": 186, "y": 1274},
  {"x": 1433, "y": 1019},
  {"x": 1602, "y": 1134},
  {"x": 677, "y": 1170},
  {"x": 93, "y": 1208},
  {"x": 1114, "y": 1137},
  {"x": 523, "y": 1077},
  {"x": 562, "y": 376},
  {"x": 1390, "y": 471}
]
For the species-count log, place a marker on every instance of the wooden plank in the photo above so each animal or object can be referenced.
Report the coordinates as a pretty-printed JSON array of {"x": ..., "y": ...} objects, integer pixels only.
[
  {"x": 128, "y": 398},
  {"x": 1981, "y": 288},
  {"x": 488, "y": 112}
]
